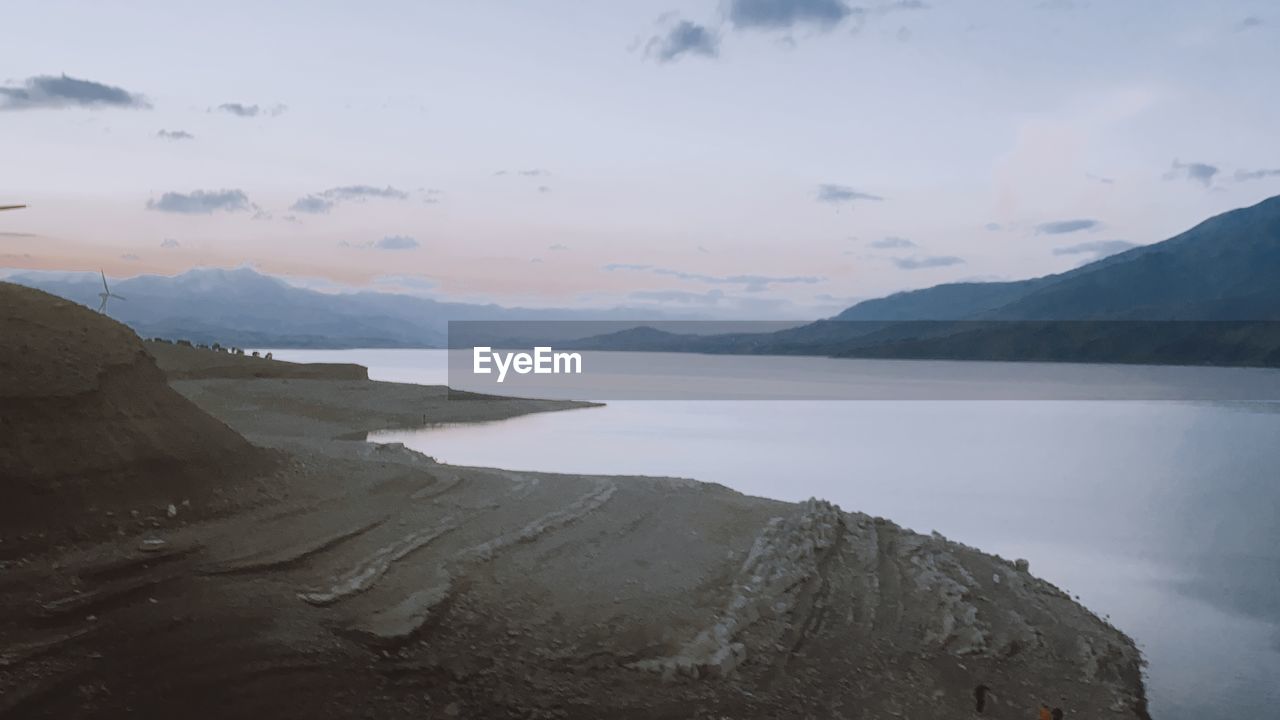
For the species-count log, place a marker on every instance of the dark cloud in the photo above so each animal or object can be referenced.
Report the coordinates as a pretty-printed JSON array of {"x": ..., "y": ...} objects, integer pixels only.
[
  {"x": 1243, "y": 175},
  {"x": 201, "y": 202},
  {"x": 891, "y": 242},
  {"x": 242, "y": 110},
  {"x": 994, "y": 227},
  {"x": 1252, "y": 21},
  {"x": 169, "y": 243},
  {"x": 544, "y": 189},
  {"x": 920, "y": 263},
  {"x": 684, "y": 38},
  {"x": 1196, "y": 171},
  {"x": 839, "y": 194},
  {"x": 323, "y": 202},
  {"x": 750, "y": 283},
  {"x": 783, "y": 14},
  {"x": 1098, "y": 248},
  {"x": 313, "y": 204},
  {"x": 1061, "y": 227},
  {"x": 60, "y": 91},
  {"x": 175, "y": 135},
  {"x": 396, "y": 242}
]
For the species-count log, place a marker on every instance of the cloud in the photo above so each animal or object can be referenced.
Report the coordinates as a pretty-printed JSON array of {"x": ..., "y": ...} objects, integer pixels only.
[
  {"x": 544, "y": 189},
  {"x": 679, "y": 297},
  {"x": 903, "y": 5},
  {"x": 1100, "y": 179},
  {"x": 1243, "y": 175},
  {"x": 1097, "y": 248},
  {"x": 783, "y": 14},
  {"x": 311, "y": 204},
  {"x": 891, "y": 242},
  {"x": 201, "y": 202},
  {"x": 1196, "y": 171},
  {"x": 1061, "y": 227},
  {"x": 684, "y": 38},
  {"x": 58, "y": 92},
  {"x": 993, "y": 227},
  {"x": 750, "y": 283},
  {"x": 828, "y": 193},
  {"x": 920, "y": 263},
  {"x": 534, "y": 172},
  {"x": 130, "y": 257},
  {"x": 323, "y": 202},
  {"x": 169, "y": 243},
  {"x": 1252, "y": 21},
  {"x": 396, "y": 242},
  {"x": 242, "y": 110},
  {"x": 175, "y": 135},
  {"x": 558, "y": 248}
]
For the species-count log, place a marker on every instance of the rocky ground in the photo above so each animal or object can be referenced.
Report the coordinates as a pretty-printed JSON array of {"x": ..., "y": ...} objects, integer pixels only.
[{"x": 341, "y": 579}]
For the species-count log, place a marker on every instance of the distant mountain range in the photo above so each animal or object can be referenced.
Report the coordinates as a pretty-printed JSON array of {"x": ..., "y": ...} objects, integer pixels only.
[
  {"x": 1210, "y": 295},
  {"x": 244, "y": 308}
]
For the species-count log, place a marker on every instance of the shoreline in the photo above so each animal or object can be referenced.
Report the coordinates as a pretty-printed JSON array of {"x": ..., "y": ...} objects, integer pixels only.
[{"x": 370, "y": 578}]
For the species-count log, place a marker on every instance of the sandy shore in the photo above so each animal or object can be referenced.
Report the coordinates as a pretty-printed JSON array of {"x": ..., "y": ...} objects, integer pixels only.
[{"x": 358, "y": 580}]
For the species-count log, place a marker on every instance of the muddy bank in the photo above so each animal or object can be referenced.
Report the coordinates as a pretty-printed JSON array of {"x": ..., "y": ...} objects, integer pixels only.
[{"x": 371, "y": 581}]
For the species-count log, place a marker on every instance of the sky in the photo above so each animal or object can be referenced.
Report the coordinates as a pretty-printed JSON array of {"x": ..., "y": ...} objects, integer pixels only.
[{"x": 747, "y": 158}]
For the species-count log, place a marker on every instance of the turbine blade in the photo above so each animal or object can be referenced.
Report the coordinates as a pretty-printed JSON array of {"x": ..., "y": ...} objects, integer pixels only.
[
  {"x": 118, "y": 297},
  {"x": 104, "y": 281}
]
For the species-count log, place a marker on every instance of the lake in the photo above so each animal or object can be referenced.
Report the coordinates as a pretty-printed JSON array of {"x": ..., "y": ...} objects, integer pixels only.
[{"x": 1162, "y": 515}]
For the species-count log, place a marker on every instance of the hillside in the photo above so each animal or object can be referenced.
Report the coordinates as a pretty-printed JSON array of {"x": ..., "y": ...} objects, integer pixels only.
[
  {"x": 1225, "y": 268},
  {"x": 90, "y": 427}
]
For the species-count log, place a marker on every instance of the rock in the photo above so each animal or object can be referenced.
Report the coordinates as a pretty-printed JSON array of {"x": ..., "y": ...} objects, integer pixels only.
[
  {"x": 171, "y": 511},
  {"x": 1022, "y": 565},
  {"x": 151, "y": 544}
]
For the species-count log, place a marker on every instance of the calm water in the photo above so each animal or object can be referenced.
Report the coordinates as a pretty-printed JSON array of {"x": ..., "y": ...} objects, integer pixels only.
[{"x": 1164, "y": 516}]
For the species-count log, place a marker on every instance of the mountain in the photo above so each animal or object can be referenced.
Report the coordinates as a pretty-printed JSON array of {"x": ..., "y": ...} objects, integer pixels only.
[
  {"x": 1225, "y": 268},
  {"x": 952, "y": 301},
  {"x": 245, "y": 308},
  {"x": 1206, "y": 296}
]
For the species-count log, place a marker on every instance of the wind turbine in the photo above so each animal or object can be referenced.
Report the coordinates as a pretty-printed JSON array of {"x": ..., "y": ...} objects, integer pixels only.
[{"x": 106, "y": 294}]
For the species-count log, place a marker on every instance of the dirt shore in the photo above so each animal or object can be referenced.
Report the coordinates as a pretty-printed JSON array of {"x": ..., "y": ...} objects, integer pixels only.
[{"x": 359, "y": 580}]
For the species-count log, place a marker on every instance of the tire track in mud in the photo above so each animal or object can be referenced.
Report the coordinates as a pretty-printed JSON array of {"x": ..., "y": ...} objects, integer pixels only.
[
  {"x": 399, "y": 622},
  {"x": 364, "y": 574},
  {"x": 290, "y": 555},
  {"x": 784, "y": 569}
]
